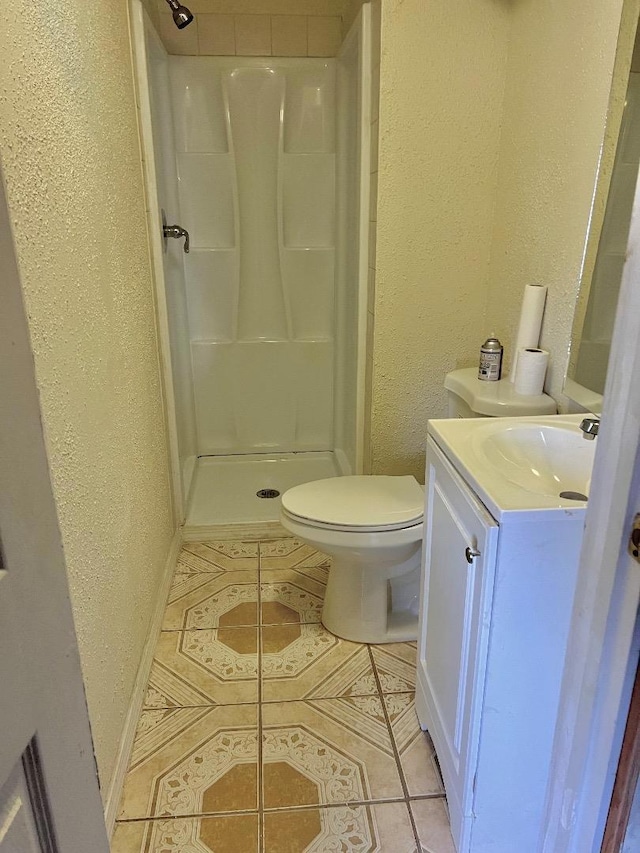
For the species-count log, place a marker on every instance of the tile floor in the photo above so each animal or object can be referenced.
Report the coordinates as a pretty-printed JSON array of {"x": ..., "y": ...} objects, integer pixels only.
[{"x": 264, "y": 733}]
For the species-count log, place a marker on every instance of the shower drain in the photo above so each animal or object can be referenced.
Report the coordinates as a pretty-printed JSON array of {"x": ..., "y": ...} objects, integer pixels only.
[{"x": 268, "y": 493}]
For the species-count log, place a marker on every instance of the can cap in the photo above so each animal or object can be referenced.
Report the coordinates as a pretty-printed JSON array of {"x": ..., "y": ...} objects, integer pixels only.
[{"x": 492, "y": 343}]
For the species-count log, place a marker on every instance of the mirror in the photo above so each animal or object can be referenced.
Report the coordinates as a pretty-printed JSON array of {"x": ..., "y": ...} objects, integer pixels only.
[{"x": 607, "y": 241}]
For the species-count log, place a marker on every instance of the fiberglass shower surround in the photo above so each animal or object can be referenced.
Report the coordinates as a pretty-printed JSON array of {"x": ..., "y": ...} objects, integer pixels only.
[{"x": 255, "y": 144}]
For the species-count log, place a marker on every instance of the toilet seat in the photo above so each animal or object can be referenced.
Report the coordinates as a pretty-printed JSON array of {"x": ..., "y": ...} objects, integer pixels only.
[
  {"x": 358, "y": 504},
  {"x": 344, "y": 528}
]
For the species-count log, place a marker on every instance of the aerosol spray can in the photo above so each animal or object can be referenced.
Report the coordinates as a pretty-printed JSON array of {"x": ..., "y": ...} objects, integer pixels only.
[{"x": 490, "y": 368}]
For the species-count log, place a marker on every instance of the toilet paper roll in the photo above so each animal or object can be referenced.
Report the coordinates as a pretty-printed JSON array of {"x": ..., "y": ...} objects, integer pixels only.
[
  {"x": 531, "y": 369},
  {"x": 530, "y": 324}
]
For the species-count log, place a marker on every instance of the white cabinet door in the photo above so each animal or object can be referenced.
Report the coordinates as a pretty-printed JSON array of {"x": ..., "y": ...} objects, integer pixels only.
[{"x": 459, "y": 564}]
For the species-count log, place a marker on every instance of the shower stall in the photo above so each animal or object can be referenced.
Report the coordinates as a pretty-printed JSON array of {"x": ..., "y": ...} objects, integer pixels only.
[{"x": 265, "y": 163}]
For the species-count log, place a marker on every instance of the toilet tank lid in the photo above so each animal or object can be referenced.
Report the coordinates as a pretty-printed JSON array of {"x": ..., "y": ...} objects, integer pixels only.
[
  {"x": 358, "y": 501},
  {"x": 496, "y": 399}
]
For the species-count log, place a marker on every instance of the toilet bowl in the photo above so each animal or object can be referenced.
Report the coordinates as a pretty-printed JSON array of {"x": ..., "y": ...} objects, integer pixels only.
[{"x": 372, "y": 528}]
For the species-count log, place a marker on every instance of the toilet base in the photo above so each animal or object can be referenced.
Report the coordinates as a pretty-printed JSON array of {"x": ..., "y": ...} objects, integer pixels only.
[
  {"x": 360, "y": 607},
  {"x": 402, "y": 627},
  {"x": 373, "y": 590}
]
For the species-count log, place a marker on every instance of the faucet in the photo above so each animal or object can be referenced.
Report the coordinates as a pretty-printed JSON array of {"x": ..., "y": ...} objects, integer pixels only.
[{"x": 590, "y": 427}]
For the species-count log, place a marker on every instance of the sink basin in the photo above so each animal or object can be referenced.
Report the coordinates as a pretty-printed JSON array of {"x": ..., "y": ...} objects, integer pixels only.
[
  {"x": 521, "y": 464},
  {"x": 552, "y": 460}
]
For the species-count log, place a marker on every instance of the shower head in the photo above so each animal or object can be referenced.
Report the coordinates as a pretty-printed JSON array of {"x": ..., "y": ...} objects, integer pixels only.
[{"x": 181, "y": 15}]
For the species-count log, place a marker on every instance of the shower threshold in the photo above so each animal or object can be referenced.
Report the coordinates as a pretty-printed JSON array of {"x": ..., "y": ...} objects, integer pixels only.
[{"x": 225, "y": 488}]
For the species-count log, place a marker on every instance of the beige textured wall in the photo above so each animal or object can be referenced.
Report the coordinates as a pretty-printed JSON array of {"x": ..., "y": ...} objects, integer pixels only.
[
  {"x": 492, "y": 117},
  {"x": 442, "y": 80},
  {"x": 70, "y": 152},
  {"x": 558, "y": 80}
]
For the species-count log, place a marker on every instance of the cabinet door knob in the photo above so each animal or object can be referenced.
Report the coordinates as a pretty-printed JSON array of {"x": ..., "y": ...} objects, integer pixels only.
[{"x": 471, "y": 554}]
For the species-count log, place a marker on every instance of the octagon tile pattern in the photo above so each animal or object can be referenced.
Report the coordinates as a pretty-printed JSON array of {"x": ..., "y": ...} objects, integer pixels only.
[
  {"x": 227, "y": 599},
  {"x": 291, "y": 554},
  {"x": 289, "y": 595},
  {"x": 414, "y": 747},
  {"x": 366, "y": 829},
  {"x": 263, "y": 732},
  {"x": 208, "y": 667},
  {"x": 307, "y": 662},
  {"x": 340, "y": 747},
  {"x": 224, "y": 834},
  {"x": 199, "y": 557},
  {"x": 193, "y": 761},
  {"x": 396, "y": 666}
]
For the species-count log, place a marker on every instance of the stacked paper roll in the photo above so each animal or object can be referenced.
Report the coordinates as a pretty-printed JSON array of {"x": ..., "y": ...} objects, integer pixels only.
[
  {"x": 530, "y": 322},
  {"x": 531, "y": 369}
]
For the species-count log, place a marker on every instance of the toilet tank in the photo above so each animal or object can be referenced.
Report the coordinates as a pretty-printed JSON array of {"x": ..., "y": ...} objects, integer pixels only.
[
  {"x": 470, "y": 397},
  {"x": 458, "y": 408}
]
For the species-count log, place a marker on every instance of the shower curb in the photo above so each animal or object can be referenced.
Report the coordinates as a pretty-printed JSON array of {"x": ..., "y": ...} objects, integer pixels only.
[{"x": 239, "y": 532}]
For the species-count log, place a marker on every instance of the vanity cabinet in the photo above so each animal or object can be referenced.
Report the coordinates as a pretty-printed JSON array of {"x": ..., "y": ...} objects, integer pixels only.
[{"x": 496, "y": 603}]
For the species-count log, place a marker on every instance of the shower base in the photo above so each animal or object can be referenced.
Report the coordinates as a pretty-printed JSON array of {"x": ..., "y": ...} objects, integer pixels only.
[{"x": 224, "y": 487}]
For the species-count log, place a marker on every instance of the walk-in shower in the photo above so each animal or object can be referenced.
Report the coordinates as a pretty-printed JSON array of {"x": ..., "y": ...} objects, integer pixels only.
[{"x": 261, "y": 161}]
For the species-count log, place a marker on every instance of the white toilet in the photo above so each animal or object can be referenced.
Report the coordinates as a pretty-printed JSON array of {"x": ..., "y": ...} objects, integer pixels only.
[{"x": 372, "y": 527}]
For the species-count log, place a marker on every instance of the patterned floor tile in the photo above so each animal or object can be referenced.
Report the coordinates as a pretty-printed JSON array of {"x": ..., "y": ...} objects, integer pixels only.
[
  {"x": 414, "y": 746},
  {"x": 432, "y": 823},
  {"x": 395, "y": 664},
  {"x": 224, "y": 834},
  {"x": 288, "y": 595},
  {"x": 227, "y": 600},
  {"x": 207, "y": 667},
  {"x": 190, "y": 761},
  {"x": 327, "y": 751},
  {"x": 291, "y": 554},
  {"x": 382, "y": 828},
  {"x": 326, "y": 743},
  {"x": 217, "y": 556},
  {"x": 308, "y": 662}
]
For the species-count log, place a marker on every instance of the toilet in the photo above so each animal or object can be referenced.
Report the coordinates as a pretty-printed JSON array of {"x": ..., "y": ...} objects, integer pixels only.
[{"x": 371, "y": 526}]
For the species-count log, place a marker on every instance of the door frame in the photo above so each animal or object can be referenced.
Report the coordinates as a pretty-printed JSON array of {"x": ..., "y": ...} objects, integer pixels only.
[
  {"x": 593, "y": 697},
  {"x": 627, "y": 776}
]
